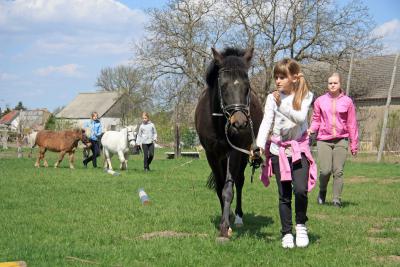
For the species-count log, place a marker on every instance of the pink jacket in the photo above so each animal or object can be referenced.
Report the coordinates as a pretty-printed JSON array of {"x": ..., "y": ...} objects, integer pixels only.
[
  {"x": 335, "y": 117},
  {"x": 297, "y": 146}
]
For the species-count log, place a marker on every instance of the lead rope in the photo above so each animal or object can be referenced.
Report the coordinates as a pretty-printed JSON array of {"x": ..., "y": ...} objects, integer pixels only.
[{"x": 255, "y": 161}]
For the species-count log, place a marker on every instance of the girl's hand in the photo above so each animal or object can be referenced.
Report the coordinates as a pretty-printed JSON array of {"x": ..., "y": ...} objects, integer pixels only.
[
  {"x": 258, "y": 152},
  {"x": 277, "y": 97},
  {"x": 309, "y": 132},
  {"x": 354, "y": 153}
]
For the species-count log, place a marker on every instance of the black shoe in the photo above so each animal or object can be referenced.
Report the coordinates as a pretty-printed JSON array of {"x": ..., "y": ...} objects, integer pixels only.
[
  {"x": 337, "y": 204},
  {"x": 321, "y": 197},
  {"x": 84, "y": 163}
]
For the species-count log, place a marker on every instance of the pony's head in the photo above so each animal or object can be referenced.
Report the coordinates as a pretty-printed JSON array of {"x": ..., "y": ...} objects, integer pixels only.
[
  {"x": 80, "y": 134},
  {"x": 228, "y": 75},
  {"x": 131, "y": 136}
]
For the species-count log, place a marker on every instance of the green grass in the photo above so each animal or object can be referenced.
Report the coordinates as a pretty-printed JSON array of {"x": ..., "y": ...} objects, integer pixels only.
[{"x": 85, "y": 217}]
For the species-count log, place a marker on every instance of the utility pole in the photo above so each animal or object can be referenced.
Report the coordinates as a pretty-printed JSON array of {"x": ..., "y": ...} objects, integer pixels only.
[{"x": 386, "y": 115}]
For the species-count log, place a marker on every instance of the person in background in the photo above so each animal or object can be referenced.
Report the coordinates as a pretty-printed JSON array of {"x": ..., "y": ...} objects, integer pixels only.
[
  {"x": 95, "y": 132},
  {"x": 288, "y": 154},
  {"x": 146, "y": 137},
  {"x": 334, "y": 118}
]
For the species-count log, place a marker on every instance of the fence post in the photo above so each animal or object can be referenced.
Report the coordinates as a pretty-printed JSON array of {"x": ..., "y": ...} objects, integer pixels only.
[
  {"x": 349, "y": 74},
  {"x": 4, "y": 138},
  {"x": 386, "y": 114}
]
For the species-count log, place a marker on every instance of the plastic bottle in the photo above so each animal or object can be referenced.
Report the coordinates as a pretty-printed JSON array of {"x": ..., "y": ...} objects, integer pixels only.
[
  {"x": 113, "y": 173},
  {"x": 144, "y": 198}
]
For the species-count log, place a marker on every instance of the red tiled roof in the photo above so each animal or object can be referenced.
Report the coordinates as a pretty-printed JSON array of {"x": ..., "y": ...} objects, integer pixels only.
[{"x": 9, "y": 117}]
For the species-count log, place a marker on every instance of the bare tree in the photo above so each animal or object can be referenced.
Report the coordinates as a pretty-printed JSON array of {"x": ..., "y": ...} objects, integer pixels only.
[
  {"x": 133, "y": 86},
  {"x": 306, "y": 30},
  {"x": 178, "y": 44}
]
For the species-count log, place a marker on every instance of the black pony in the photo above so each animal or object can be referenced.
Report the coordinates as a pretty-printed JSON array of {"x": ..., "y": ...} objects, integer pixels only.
[{"x": 228, "y": 116}]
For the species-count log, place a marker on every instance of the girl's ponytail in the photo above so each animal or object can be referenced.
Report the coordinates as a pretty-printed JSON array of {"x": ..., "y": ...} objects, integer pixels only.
[{"x": 301, "y": 91}]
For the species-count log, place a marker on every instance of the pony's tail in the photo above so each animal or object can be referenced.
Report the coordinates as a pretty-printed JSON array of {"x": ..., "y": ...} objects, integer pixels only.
[{"x": 211, "y": 183}]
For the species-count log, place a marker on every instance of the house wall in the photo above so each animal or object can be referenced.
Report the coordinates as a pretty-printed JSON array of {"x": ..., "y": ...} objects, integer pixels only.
[
  {"x": 107, "y": 123},
  {"x": 369, "y": 119}
]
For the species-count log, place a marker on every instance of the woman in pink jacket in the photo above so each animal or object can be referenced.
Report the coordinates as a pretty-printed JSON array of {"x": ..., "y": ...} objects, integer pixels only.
[{"x": 334, "y": 118}]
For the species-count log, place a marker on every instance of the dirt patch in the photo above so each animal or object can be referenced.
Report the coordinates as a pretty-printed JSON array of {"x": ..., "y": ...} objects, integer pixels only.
[
  {"x": 391, "y": 219},
  {"x": 386, "y": 259},
  {"x": 8, "y": 155},
  {"x": 357, "y": 180},
  {"x": 377, "y": 229},
  {"x": 321, "y": 216},
  {"x": 389, "y": 180},
  {"x": 380, "y": 240},
  {"x": 169, "y": 234}
]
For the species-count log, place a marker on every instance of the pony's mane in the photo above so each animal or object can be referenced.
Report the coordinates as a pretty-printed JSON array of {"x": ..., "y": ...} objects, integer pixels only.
[{"x": 230, "y": 55}]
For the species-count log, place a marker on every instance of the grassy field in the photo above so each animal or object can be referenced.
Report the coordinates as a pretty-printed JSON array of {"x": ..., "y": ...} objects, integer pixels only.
[{"x": 85, "y": 217}]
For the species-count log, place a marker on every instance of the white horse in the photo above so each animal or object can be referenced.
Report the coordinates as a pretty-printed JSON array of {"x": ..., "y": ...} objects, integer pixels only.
[
  {"x": 30, "y": 139},
  {"x": 115, "y": 142}
]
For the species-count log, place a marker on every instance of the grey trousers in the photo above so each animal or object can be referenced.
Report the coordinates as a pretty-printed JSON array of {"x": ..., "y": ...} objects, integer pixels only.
[{"x": 331, "y": 157}]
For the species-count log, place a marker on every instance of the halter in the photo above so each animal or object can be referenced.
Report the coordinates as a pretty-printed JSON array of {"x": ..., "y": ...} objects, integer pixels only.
[
  {"x": 127, "y": 135},
  {"x": 228, "y": 111}
]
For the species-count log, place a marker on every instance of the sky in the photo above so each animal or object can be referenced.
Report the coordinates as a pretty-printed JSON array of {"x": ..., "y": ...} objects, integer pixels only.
[{"x": 51, "y": 50}]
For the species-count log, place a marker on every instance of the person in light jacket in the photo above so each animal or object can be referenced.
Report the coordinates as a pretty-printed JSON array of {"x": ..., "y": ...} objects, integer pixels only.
[
  {"x": 288, "y": 154},
  {"x": 146, "y": 137},
  {"x": 334, "y": 118}
]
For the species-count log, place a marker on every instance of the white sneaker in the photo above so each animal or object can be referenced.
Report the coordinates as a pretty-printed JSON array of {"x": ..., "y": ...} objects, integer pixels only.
[
  {"x": 301, "y": 236},
  {"x": 287, "y": 241}
]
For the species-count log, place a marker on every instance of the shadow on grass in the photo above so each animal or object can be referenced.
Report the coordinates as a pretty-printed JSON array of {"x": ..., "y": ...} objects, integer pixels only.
[
  {"x": 345, "y": 204},
  {"x": 253, "y": 224}
]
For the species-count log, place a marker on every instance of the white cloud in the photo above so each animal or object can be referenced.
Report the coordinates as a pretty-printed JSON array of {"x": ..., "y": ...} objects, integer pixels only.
[
  {"x": 390, "y": 33},
  {"x": 387, "y": 28},
  {"x": 23, "y": 14},
  {"x": 70, "y": 70},
  {"x": 81, "y": 26},
  {"x": 7, "y": 76}
]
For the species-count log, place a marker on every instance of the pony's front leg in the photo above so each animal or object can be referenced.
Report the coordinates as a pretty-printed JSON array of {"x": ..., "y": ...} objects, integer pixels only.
[
  {"x": 121, "y": 160},
  {"x": 107, "y": 161},
  {"x": 126, "y": 160},
  {"x": 238, "y": 210},
  {"x": 227, "y": 196},
  {"x": 42, "y": 152},
  {"x": 239, "y": 182},
  {"x": 60, "y": 158},
  {"x": 39, "y": 157},
  {"x": 71, "y": 160}
]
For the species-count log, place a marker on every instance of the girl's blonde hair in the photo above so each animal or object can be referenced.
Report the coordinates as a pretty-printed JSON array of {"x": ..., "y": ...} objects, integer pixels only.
[
  {"x": 146, "y": 115},
  {"x": 287, "y": 67}
]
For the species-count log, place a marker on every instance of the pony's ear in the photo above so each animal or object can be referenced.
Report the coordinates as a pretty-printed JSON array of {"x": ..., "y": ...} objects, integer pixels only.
[
  {"x": 217, "y": 56},
  {"x": 248, "y": 55}
]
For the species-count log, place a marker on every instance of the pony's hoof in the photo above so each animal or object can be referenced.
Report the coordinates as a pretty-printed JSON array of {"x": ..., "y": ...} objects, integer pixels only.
[
  {"x": 230, "y": 232},
  {"x": 238, "y": 221},
  {"x": 71, "y": 167}
]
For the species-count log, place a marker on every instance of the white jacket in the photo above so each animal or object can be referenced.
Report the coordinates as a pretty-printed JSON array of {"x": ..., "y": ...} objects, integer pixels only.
[{"x": 288, "y": 124}]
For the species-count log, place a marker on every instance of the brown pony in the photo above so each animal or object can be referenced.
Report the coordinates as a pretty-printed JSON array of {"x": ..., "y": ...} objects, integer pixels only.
[
  {"x": 227, "y": 118},
  {"x": 62, "y": 141}
]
